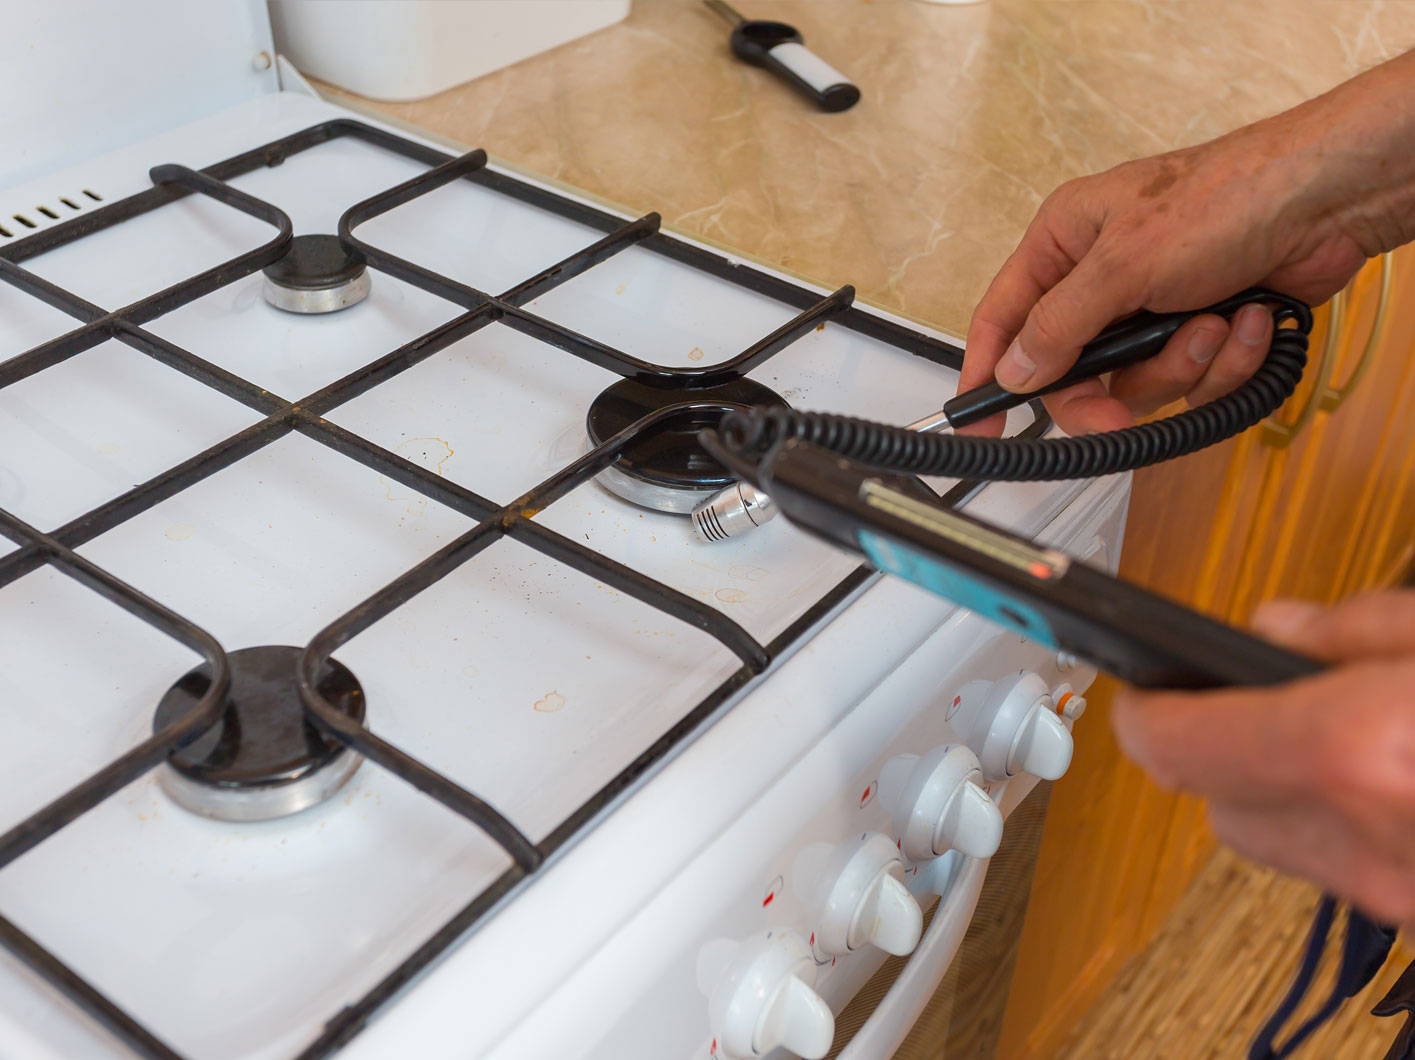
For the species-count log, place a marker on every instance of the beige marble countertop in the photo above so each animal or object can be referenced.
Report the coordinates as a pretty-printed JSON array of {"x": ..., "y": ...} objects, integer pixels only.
[{"x": 970, "y": 116}]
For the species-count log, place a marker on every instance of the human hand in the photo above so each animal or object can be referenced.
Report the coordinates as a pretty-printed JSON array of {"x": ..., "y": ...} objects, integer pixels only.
[
  {"x": 1174, "y": 232},
  {"x": 1315, "y": 778}
]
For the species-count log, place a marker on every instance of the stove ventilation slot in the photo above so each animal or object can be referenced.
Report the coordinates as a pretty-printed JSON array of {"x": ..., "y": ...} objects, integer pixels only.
[{"x": 24, "y": 221}]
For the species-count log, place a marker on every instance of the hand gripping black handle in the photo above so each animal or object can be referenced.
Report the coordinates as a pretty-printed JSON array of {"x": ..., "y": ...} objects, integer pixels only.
[{"x": 1125, "y": 342}]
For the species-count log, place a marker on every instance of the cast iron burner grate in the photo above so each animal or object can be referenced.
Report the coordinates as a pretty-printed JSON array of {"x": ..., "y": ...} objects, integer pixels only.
[{"x": 325, "y": 707}]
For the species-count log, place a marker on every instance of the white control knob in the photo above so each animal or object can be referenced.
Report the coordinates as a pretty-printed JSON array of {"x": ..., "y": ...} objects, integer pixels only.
[
  {"x": 1043, "y": 746},
  {"x": 763, "y": 1000},
  {"x": 867, "y": 902},
  {"x": 1017, "y": 731},
  {"x": 938, "y": 804}
]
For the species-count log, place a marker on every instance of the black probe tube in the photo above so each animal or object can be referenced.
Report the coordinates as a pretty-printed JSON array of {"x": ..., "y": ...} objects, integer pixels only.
[{"x": 888, "y": 448}]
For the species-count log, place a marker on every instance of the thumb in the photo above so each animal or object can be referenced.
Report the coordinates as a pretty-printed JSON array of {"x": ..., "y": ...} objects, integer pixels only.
[
  {"x": 1374, "y": 625},
  {"x": 1064, "y": 319}
]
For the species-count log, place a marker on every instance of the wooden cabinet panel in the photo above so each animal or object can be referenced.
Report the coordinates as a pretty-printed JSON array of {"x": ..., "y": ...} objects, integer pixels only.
[
  {"x": 1385, "y": 538},
  {"x": 1314, "y": 535},
  {"x": 1328, "y": 514}
]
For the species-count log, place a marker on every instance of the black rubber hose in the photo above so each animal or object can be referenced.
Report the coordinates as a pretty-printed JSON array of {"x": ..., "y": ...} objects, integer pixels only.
[{"x": 887, "y": 448}]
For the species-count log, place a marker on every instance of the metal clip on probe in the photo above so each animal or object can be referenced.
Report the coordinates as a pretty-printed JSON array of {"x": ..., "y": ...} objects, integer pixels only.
[
  {"x": 926, "y": 447},
  {"x": 740, "y": 507}
]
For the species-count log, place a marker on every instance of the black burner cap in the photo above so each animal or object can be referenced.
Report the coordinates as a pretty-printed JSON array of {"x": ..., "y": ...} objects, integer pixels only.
[
  {"x": 670, "y": 455},
  {"x": 263, "y": 737},
  {"x": 314, "y": 263}
]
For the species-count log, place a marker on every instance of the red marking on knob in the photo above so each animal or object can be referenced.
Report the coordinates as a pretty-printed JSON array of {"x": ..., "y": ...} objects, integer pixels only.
[
  {"x": 813, "y": 938},
  {"x": 772, "y": 890},
  {"x": 868, "y": 793},
  {"x": 712, "y": 1050},
  {"x": 957, "y": 700}
]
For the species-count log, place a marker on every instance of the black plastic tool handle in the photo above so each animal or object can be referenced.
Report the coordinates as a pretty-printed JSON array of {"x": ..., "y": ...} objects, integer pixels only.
[
  {"x": 780, "y": 48},
  {"x": 1126, "y": 342}
]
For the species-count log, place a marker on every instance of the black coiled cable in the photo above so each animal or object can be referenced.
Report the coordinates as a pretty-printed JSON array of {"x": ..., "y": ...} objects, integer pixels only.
[{"x": 753, "y": 433}]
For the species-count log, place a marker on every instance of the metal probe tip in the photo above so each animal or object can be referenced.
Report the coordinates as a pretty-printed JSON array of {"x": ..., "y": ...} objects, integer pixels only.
[
  {"x": 733, "y": 510},
  {"x": 731, "y": 16}
]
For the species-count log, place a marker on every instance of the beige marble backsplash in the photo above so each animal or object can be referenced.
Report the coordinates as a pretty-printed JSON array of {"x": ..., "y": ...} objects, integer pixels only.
[{"x": 970, "y": 116}]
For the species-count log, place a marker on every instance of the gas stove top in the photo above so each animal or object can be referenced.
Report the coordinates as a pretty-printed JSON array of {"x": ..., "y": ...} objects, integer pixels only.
[{"x": 334, "y": 543}]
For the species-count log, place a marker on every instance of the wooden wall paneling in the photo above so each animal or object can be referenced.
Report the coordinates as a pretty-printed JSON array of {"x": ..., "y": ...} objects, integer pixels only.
[
  {"x": 1385, "y": 537},
  {"x": 1339, "y": 489},
  {"x": 1280, "y": 483},
  {"x": 1388, "y": 375},
  {"x": 1188, "y": 845},
  {"x": 1322, "y": 477},
  {"x": 1391, "y": 541}
]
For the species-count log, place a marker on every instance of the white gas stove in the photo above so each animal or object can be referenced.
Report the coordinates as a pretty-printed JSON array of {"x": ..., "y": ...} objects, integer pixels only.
[{"x": 346, "y": 705}]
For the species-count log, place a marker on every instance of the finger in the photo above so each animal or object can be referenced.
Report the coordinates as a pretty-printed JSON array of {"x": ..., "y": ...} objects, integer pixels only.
[
  {"x": 1374, "y": 625},
  {"x": 1243, "y": 353},
  {"x": 1069, "y": 315},
  {"x": 1175, "y": 370},
  {"x": 1087, "y": 408},
  {"x": 1034, "y": 266},
  {"x": 1320, "y": 845},
  {"x": 1290, "y": 839},
  {"x": 1259, "y": 746}
]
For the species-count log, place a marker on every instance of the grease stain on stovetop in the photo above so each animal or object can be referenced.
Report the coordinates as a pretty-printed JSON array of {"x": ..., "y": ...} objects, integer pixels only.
[
  {"x": 179, "y": 532},
  {"x": 552, "y": 702},
  {"x": 747, "y": 572},
  {"x": 430, "y": 453}
]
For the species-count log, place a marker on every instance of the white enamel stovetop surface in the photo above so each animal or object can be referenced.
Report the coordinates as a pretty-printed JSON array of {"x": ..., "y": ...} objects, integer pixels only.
[{"x": 522, "y": 680}]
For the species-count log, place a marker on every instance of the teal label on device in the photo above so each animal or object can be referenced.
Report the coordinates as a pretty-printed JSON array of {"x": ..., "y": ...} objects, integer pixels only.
[{"x": 953, "y": 584}]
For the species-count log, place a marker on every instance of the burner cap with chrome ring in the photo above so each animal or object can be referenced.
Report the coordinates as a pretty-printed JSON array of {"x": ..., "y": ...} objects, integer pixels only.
[
  {"x": 264, "y": 758},
  {"x": 316, "y": 275},
  {"x": 666, "y": 469}
]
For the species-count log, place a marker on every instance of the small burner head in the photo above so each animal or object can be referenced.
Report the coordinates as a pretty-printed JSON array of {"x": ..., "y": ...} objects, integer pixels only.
[
  {"x": 668, "y": 470},
  {"x": 316, "y": 275},
  {"x": 264, "y": 758}
]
